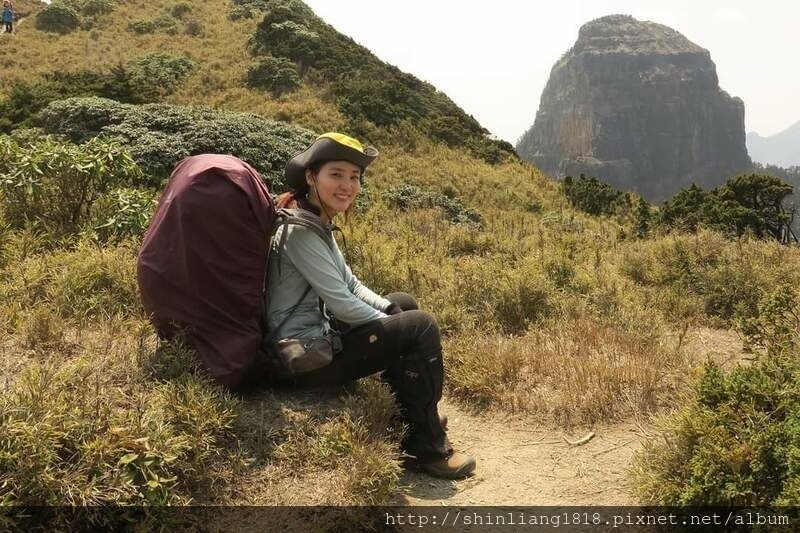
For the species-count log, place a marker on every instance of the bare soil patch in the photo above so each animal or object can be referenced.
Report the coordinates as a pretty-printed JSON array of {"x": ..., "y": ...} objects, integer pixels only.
[{"x": 524, "y": 461}]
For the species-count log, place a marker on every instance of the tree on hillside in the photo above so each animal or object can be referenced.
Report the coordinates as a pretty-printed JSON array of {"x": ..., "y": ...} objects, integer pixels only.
[
  {"x": 763, "y": 196},
  {"x": 750, "y": 202},
  {"x": 594, "y": 196},
  {"x": 685, "y": 209},
  {"x": 644, "y": 218}
]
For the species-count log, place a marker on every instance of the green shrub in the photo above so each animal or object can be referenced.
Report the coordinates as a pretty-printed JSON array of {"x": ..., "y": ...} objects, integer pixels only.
[
  {"x": 518, "y": 301},
  {"x": 8, "y": 149},
  {"x": 141, "y": 27},
  {"x": 163, "y": 23},
  {"x": 405, "y": 197},
  {"x": 53, "y": 186},
  {"x": 737, "y": 443},
  {"x": 58, "y": 17},
  {"x": 42, "y": 330},
  {"x": 65, "y": 441},
  {"x": 96, "y": 7},
  {"x": 773, "y": 327},
  {"x": 240, "y": 12},
  {"x": 120, "y": 83},
  {"x": 123, "y": 213},
  {"x": 644, "y": 218},
  {"x": 294, "y": 40},
  {"x": 275, "y": 74},
  {"x": 247, "y": 9},
  {"x": 162, "y": 71},
  {"x": 160, "y": 135},
  {"x": 358, "y": 443},
  {"x": 180, "y": 9},
  {"x": 751, "y": 202},
  {"x": 595, "y": 197},
  {"x": 727, "y": 279}
]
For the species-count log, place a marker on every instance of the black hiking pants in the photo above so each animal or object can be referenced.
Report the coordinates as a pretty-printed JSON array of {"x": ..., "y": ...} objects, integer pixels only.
[{"x": 406, "y": 349}]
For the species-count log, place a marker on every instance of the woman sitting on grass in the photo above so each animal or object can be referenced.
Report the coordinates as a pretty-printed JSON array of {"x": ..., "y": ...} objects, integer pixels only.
[{"x": 388, "y": 334}]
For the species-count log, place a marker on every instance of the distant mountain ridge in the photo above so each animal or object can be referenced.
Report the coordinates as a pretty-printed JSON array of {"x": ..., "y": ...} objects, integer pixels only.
[{"x": 781, "y": 149}]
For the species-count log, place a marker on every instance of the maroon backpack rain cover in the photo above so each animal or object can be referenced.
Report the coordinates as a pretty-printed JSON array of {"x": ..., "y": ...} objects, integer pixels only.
[{"x": 202, "y": 263}]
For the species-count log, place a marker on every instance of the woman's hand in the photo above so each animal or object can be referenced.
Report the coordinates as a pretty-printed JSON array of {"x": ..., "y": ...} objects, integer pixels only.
[{"x": 393, "y": 309}]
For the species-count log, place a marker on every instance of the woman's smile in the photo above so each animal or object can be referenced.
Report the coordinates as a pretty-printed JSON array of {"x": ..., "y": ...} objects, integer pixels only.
[{"x": 334, "y": 186}]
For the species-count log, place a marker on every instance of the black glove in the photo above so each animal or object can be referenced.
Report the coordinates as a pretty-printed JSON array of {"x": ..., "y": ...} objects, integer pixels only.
[{"x": 393, "y": 309}]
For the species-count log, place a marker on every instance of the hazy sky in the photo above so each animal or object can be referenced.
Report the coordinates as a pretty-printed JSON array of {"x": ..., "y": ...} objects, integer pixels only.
[{"x": 493, "y": 57}]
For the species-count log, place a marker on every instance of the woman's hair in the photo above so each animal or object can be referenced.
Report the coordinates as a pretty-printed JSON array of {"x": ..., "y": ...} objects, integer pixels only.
[{"x": 289, "y": 199}]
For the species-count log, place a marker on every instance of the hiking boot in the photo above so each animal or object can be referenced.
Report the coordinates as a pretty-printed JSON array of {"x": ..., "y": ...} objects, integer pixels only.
[
  {"x": 455, "y": 466},
  {"x": 442, "y": 421}
]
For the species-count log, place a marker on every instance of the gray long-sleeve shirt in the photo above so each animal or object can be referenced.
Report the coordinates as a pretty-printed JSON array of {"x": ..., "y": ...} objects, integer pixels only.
[{"x": 307, "y": 259}]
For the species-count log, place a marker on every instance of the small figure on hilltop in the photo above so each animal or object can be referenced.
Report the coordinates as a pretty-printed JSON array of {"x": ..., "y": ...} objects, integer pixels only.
[{"x": 8, "y": 16}]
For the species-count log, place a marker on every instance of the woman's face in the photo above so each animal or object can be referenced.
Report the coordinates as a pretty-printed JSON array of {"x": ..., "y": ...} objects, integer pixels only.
[{"x": 337, "y": 185}]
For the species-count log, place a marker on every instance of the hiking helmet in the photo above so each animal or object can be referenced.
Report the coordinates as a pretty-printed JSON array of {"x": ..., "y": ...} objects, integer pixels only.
[{"x": 327, "y": 147}]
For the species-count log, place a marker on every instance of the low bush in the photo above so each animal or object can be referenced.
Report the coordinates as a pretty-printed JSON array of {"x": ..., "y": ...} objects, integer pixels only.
[
  {"x": 53, "y": 186},
  {"x": 123, "y": 213},
  {"x": 180, "y": 10},
  {"x": 192, "y": 26},
  {"x": 736, "y": 443},
  {"x": 58, "y": 17},
  {"x": 141, "y": 27},
  {"x": 729, "y": 279},
  {"x": 160, "y": 135},
  {"x": 277, "y": 75},
  {"x": 94, "y": 8},
  {"x": 161, "y": 71},
  {"x": 66, "y": 440},
  {"x": 165, "y": 23},
  {"x": 358, "y": 443},
  {"x": 239, "y": 13},
  {"x": 124, "y": 83},
  {"x": 595, "y": 197},
  {"x": 412, "y": 197}
]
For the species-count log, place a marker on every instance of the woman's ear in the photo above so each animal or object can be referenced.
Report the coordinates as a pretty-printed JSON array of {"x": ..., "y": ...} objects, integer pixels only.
[{"x": 309, "y": 177}]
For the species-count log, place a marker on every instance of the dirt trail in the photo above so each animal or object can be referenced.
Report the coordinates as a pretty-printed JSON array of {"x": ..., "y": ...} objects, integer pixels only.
[{"x": 523, "y": 462}]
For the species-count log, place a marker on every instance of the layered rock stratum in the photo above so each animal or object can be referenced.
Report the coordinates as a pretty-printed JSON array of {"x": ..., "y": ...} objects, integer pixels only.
[{"x": 638, "y": 105}]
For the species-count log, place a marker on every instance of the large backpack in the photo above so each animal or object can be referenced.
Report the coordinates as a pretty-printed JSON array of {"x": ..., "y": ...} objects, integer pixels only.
[{"x": 202, "y": 266}]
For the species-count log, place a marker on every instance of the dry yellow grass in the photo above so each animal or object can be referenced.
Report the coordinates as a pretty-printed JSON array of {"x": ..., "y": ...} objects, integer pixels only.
[
  {"x": 545, "y": 309},
  {"x": 220, "y": 51}
]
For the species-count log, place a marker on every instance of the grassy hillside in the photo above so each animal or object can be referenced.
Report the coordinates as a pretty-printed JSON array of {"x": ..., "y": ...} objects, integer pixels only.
[{"x": 546, "y": 309}]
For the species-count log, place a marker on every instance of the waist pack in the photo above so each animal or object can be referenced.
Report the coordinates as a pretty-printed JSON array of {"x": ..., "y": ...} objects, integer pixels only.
[{"x": 293, "y": 357}]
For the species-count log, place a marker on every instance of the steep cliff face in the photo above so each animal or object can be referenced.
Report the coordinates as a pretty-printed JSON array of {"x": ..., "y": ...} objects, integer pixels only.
[{"x": 639, "y": 106}]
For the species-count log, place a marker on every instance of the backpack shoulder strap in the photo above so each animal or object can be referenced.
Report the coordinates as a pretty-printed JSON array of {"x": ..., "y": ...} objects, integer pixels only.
[
  {"x": 272, "y": 334},
  {"x": 285, "y": 217}
]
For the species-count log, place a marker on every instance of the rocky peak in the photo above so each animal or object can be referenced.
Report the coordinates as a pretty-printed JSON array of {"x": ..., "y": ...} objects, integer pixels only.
[
  {"x": 623, "y": 34},
  {"x": 637, "y": 104}
]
